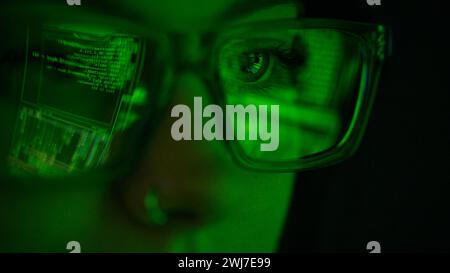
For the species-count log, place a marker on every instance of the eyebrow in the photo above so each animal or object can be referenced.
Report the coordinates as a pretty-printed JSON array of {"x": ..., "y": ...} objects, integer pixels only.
[
  {"x": 282, "y": 11},
  {"x": 237, "y": 11},
  {"x": 248, "y": 7},
  {"x": 240, "y": 9}
]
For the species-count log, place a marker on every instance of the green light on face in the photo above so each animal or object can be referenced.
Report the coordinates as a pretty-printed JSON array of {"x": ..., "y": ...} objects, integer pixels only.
[
  {"x": 155, "y": 213},
  {"x": 77, "y": 94},
  {"x": 306, "y": 72}
]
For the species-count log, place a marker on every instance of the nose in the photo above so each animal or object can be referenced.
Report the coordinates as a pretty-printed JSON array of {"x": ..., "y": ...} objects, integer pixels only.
[{"x": 175, "y": 175}]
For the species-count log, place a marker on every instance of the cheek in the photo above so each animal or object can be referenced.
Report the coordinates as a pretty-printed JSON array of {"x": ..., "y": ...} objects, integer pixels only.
[
  {"x": 255, "y": 207},
  {"x": 254, "y": 195},
  {"x": 46, "y": 220}
]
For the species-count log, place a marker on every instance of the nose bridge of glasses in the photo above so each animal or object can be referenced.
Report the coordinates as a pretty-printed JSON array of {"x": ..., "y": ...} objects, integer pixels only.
[{"x": 190, "y": 53}]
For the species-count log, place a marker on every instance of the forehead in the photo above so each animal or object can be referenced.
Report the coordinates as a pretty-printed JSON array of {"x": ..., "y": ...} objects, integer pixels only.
[
  {"x": 201, "y": 13},
  {"x": 176, "y": 13},
  {"x": 179, "y": 9},
  {"x": 171, "y": 15}
]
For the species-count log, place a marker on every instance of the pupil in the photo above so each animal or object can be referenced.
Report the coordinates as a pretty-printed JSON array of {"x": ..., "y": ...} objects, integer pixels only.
[{"x": 253, "y": 64}]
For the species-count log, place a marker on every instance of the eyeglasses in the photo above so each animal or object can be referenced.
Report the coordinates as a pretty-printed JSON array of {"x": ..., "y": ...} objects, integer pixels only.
[
  {"x": 323, "y": 74},
  {"x": 89, "y": 98}
]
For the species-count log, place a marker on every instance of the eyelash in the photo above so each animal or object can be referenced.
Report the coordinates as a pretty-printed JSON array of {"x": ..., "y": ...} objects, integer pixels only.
[{"x": 291, "y": 60}]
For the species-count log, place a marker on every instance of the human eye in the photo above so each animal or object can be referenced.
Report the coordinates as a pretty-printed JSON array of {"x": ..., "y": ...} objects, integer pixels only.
[{"x": 261, "y": 64}]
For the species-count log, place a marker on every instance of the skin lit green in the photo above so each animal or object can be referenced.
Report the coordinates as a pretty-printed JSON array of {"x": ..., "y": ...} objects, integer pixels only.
[
  {"x": 307, "y": 95},
  {"x": 242, "y": 210}
]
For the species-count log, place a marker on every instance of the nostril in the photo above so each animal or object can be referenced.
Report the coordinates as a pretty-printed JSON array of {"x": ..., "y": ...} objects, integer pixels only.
[
  {"x": 156, "y": 214},
  {"x": 173, "y": 216}
]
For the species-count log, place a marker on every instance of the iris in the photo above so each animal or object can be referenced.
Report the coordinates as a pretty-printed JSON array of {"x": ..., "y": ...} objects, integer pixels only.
[{"x": 253, "y": 65}]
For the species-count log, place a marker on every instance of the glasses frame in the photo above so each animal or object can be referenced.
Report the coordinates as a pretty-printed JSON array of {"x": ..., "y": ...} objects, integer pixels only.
[{"x": 375, "y": 47}]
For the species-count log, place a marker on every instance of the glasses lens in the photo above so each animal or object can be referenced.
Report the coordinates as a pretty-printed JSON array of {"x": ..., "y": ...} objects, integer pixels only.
[
  {"x": 78, "y": 99},
  {"x": 313, "y": 75}
]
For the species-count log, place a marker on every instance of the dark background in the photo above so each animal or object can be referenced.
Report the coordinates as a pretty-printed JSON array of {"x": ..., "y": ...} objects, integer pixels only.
[{"x": 395, "y": 190}]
